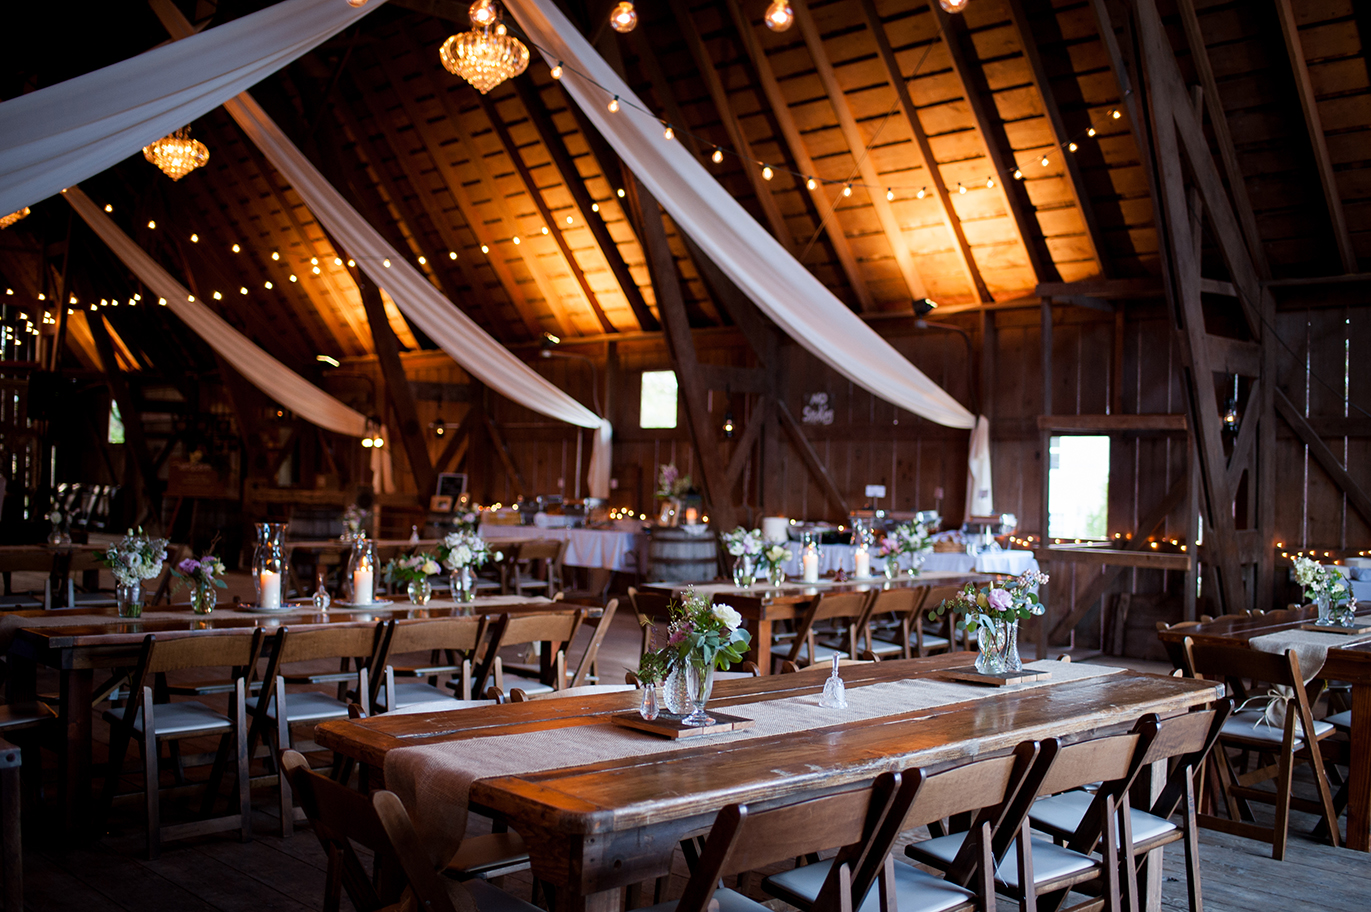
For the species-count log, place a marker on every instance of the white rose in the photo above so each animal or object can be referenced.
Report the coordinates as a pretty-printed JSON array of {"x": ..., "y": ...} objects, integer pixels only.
[{"x": 727, "y": 616}]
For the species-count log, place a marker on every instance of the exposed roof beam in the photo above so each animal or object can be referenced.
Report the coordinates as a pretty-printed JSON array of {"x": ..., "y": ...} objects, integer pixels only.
[
  {"x": 535, "y": 193},
  {"x": 894, "y": 234},
  {"x": 1314, "y": 124},
  {"x": 571, "y": 176},
  {"x": 957, "y": 39},
  {"x": 925, "y": 156},
  {"x": 799, "y": 153},
  {"x": 1080, "y": 193}
]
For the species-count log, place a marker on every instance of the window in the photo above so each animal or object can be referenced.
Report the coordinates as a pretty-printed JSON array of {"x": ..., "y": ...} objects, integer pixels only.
[
  {"x": 657, "y": 408},
  {"x": 116, "y": 423},
  {"x": 1078, "y": 487}
]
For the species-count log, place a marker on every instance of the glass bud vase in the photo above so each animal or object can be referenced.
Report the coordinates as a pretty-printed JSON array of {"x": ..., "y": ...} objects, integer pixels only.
[
  {"x": 990, "y": 637},
  {"x": 648, "y": 707},
  {"x": 699, "y": 677},
  {"x": 675, "y": 692},
  {"x": 916, "y": 563},
  {"x": 203, "y": 598},
  {"x": 1322, "y": 602},
  {"x": 129, "y": 597},
  {"x": 892, "y": 567},
  {"x": 419, "y": 591},
  {"x": 269, "y": 564},
  {"x": 775, "y": 574},
  {"x": 744, "y": 571},
  {"x": 463, "y": 586},
  {"x": 1344, "y": 614}
]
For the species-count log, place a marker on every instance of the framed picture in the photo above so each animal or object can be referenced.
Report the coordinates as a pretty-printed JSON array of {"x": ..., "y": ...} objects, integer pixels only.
[
  {"x": 451, "y": 485},
  {"x": 440, "y": 503}
]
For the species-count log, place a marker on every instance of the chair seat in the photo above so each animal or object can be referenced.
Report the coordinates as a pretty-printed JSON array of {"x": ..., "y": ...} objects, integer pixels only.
[
  {"x": 1342, "y": 720},
  {"x": 487, "y": 854},
  {"x": 488, "y": 898},
  {"x": 439, "y": 705},
  {"x": 407, "y": 693},
  {"x": 915, "y": 890},
  {"x": 24, "y": 715},
  {"x": 309, "y": 706},
  {"x": 169, "y": 719},
  {"x": 728, "y": 901},
  {"x": 1251, "y": 725},
  {"x": 1062, "y": 814},
  {"x": 1051, "y": 862}
]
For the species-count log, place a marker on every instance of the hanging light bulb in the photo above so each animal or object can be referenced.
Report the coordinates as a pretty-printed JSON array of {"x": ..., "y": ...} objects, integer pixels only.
[
  {"x": 275, "y": 254},
  {"x": 767, "y": 172},
  {"x": 779, "y": 16},
  {"x": 953, "y": 6},
  {"x": 1044, "y": 161},
  {"x": 668, "y": 132},
  {"x": 423, "y": 261},
  {"x": 1072, "y": 146},
  {"x": 108, "y": 207},
  {"x": 556, "y": 72},
  {"x": 847, "y": 190},
  {"x": 1090, "y": 132},
  {"x": 623, "y": 18},
  {"x": 1018, "y": 175},
  {"x": 195, "y": 238},
  {"x": 1116, "y": 114},
  {"x": 482, "y": 13},
  {"x": 236, "y": 248},
  {"x": 812, "y": 184},
  {"x": 614, "y": 105},
  {"x": 990, "y": 183},
  {"x": 718, "y": 155},
  {"x": 889, "y": 194},
  {"x": 152, "y": 223},
  {"x": 960, "y": 188},
  {"x": 923, "y": 191}
]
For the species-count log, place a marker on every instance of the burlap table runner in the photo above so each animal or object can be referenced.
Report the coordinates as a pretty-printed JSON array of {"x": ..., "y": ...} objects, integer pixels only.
[
  {"x": 433, "y": 780},
  {"x": 1310, "y": 646}
]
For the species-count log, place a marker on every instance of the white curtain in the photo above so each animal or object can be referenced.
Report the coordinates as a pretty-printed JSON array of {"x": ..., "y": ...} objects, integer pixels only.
[
  {"x": 58, "y": 136},
  {"x": 784, "y": 290},
  {"x": 979, "y": 499},
  {"x": 259, "y": 368}
]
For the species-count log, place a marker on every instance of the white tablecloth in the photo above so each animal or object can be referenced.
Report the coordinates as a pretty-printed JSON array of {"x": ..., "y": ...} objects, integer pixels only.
[
  {"x": 833, "y": 557},
  {"x": 609, "y": 549}
]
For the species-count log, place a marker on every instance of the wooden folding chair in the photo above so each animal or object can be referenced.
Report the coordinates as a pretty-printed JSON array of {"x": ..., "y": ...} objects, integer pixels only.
[
  {"x": 652, "y": 610},
  {"x": 935, "y": 596},
  {"x": 522, "y": 629},
  {"x": 51, "y": 563},
  {"x": 543, "y": 554},
  {"x": 274, "y": 711},
  {"x": 990, "y": 788},
  {"x": 845, "y": 609},
  {"x": 450, "y": 643},
  {"x": 154, "y": 723},
  {"x": 404, "y": 874},
  {"x": 587, "y": 669},
  {"x": 1175, "y": 652},
  {"x": 905, "y": 607},
  {"x": 1250, "y": 729}
]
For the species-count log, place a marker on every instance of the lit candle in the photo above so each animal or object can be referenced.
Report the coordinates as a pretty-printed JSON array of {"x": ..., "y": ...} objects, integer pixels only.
[
  {"x": 810, "y": 562},
  {"x": 270, "y": 582},
  {"x": 362, "y": 587},
  {"x": 692, "y": 516},
  {"x": 863, "y": 561}
]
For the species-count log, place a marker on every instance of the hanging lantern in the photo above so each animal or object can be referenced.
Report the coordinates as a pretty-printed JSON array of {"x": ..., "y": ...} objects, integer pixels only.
[
  {"x": 7, "y": 220},
  {"x": 953, "y": 6},
  {"x": 487, "y": 55},
  {"x": 779, "y": 16},
  {"x": 177, "y": 155},
  {"x": 623, "y": 18}
]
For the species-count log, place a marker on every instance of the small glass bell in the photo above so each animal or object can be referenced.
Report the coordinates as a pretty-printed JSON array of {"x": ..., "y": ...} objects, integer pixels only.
[{"x": 834, "y": 695}]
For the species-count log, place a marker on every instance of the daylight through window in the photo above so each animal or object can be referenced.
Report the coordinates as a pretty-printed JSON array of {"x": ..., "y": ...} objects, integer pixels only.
[
  {"x": 658, "y": 405},
  {"x": 1078, "y": 487}
]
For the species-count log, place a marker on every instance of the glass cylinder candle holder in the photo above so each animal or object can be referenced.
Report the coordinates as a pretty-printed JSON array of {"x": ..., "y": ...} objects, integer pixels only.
[
  {"x": 361, "y": 571},
  {"x": 269, "y": 564}
]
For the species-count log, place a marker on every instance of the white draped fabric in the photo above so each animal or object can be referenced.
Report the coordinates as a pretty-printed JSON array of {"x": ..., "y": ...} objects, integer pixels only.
[
  {"x": 259, "y": 368},
  {"x": 756, "y": 262},
  {"x": 979, "y": 499},
  {"x": 61, "y": 135}
]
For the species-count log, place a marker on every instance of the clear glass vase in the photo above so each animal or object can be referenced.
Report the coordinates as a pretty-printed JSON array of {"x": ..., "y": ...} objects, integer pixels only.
[
  {"x": 699, "y": 682},
  {"x": 648, "y": 707},
  {"x": 1345, "y": 614},
  {"x": 997, "y": 645},
  {"x": 892, "y": 567},
  {"x": 269, "y": 565},
  {"x": 675, "y": 692},
  {"x": 129, "y": 598},
  {"x": 1322, "y": 602},
  {"x": 744, "y": 571},
  {"x": 916, "y": 563},
  {"x": 463, "y": 586},
  {"x": 775, "y": 574},
  {"x": 203, "y": 598},
  {"x": 419, "y": 591}
]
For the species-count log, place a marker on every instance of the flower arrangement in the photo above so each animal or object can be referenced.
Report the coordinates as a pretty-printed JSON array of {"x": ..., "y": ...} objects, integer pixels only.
[
  {"x": 907, "y": 538},
  {"x": 776, "y": 555},
  {"x": 466, "y": 520},
  {"x": 743, "y": 542},
  {"x": 135, "y": 557},
  {"x": 671, "y": 483},
  {"x": 653, "y": 667},
  {"x": 465, "y": 549},
  {"x": 354, "y": 521},
  {"x": 1000, "y": 602},
  {"x": 1318, "y": 580},
  {"x": 705, "y": 634},
  {"x": 412, "y": 569},
  {"x": 199, "y": 572}
]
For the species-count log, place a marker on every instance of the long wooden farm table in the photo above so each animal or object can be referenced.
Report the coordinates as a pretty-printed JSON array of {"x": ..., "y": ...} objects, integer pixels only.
[
  {"x": 79, "y": 642},
  {"x": 1350, "y": 663},
  {"x": 597, "y": 828},
  {"x": 762, "y": 605}
]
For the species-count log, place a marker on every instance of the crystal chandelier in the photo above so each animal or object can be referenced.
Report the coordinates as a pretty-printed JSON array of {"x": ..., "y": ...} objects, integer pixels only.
[
  {"x": 487, "y": 55},
  {"x": 177, "y": 155},
  {"x": 7, "y": 220}
]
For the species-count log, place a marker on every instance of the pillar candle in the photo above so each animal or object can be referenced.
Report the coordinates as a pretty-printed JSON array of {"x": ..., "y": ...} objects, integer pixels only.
[
  {"x": 692, "y": 516},
  {"x": 810, "y": 563},
  {"x": 863, "y": 561},
  {"x": 271, "y": 589},
  {"x": 362, "y": 587}
]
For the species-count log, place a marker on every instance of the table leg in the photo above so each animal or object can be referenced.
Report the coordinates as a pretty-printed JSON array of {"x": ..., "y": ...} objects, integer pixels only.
[
  {"x": 1359, "y": 775},
  {"x": 760, "y": 650},
  {"x": 73, "y": 717}
]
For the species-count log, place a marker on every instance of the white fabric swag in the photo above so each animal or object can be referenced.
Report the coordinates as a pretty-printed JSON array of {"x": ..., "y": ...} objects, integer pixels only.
[
  {"x": 58, "y": 136},
  {"x": 260, "y": 369},
  {"x": 756, "y": 262}
]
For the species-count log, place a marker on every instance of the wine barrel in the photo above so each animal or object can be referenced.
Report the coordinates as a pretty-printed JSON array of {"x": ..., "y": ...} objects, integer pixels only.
[{"x": 674, "y": 554}]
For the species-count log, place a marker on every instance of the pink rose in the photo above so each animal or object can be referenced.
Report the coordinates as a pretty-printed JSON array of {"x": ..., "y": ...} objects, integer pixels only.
[{"x": 999, "y": 599}]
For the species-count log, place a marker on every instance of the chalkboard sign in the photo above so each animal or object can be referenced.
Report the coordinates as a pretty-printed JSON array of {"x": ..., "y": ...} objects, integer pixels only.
[{"x": 452, "y": 484}]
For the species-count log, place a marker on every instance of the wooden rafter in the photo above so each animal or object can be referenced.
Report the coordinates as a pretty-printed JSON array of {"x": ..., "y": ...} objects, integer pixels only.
[
  {"x": 1313, "y": 123},
  {"x": 857, "y": 143},
  {"x": 799, "y": 153},
  {"x": 1057, "y": 126},
  {"x": 925, "y": 157}
]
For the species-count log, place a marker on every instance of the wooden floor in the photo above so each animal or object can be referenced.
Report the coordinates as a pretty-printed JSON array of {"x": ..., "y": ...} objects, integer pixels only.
[{"x": 270, "y": 873}]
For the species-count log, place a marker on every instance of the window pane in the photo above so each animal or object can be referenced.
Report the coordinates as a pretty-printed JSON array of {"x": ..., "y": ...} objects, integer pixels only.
[
  {"x": 116, "y": 424},
  {"x": 658, "y": 406},
  {"x": 1078, "y": 487}
]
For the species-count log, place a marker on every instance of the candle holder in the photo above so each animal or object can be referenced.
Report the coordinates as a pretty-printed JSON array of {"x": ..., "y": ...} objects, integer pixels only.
[
  {"x": 269, "y": 564},
  {"x": 809, "y": 560},
  {"x": 361, "y": 572}
]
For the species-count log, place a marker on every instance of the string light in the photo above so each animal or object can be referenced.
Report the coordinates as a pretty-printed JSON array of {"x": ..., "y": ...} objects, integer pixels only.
[
  {"x": 452, "y": 254},
  {"x": 243, "y": 290},
  {"x": 268, "y": 286},
  {"x": 423, "y": 261},
  {"x": 275, "y": 255},
  {"x": 1090, "y": 132},
  {"x": 614, "y": 105},
  {"x": 812, "y": 184},
  {"x": 779, "y": 16},
  {"x": 923, "y": 191},
  {"x": 1072, "y": 147},
  {"x": 315, "y": 270},
  {"x": 1018, "y": 175},
  {"x": 960, "y": 188},
  {"x": 293, "y": 278},
  {"x": 218, "y": 296},
  {"x": 668, "y": 132},
  {"x": 620, "y": 192},
  {"x": 623, "y": 18},
  {"x": 1116, "y": 114},
  {"x": 485, "y": 249},
  {"x": 847, "y": 190},
  {"x": 386, "y": 262},
  {"x": 889, "y": 194},
  {"x": 314, "y": 261},
  {"x": 351, "y": 263},
  {"x": 545, "y": 231},
  {"x": 767, "y": 172},
  {"x": 337, "y": 261},
  {"x": 1044, "y": 161},
  {"x": 990, "y": 183},
  {"x": 516, "y": 240},
  {"x": 152, "y": 224},
  {"x": 569, "y": 221},
  {"x": 237, "y": 249},
  {"x": 108, "y": 207},
  {"x": 556, "y": 72},
  {"x": 195, "y": 238},
  {"x": 718, "y": 155},
  {"x": 594, "y": 207}
]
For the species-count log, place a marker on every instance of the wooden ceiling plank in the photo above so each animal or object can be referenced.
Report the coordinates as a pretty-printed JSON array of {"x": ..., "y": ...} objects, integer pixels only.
[
  {"x": 799, "y": 153},
  {"x": 554, "y": 227},
  {"x": 925, "y": 157},
  {"x": 1313, "y": 123},
  {"x": 551, "y": 297},
  {"x": 857, "y": 144},
  {"x": 575, "y": 184},
  {"x": 1079, "y": 192},
  {"x": 975, "y": 88},
  {"x": 1218, "y": 120}
]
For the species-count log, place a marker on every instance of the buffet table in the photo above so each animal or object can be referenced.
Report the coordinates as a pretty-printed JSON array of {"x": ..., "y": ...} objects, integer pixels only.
[
  {"x": 840, "y": 557},
  {"x": 608, "y": 549}
]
